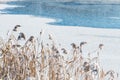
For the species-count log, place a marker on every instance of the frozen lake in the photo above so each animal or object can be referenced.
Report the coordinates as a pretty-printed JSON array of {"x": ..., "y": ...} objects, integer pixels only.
[{"x": 70, "y": 13}]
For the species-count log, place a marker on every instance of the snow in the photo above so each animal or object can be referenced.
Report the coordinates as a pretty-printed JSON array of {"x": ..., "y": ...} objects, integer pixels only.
[{"x": 65, "y": 35}]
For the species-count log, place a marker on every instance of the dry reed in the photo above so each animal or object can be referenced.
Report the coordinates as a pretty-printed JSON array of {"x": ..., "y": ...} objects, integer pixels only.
[{"x": 36, "y": 61}]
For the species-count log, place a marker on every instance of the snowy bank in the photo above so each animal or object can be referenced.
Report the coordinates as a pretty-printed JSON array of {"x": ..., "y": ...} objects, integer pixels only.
[{"x": 65, "y": 35}]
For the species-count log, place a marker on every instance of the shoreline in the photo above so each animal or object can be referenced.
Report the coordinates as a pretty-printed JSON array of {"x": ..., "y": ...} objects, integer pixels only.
[{"x": 66, "y": 35}]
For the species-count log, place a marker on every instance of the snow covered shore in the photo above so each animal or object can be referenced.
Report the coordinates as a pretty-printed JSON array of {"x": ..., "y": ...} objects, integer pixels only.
[{"x": 65, "y": 35}]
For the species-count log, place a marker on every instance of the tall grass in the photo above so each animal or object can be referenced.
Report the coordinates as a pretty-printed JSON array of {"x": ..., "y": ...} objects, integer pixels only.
[{"x": 36, "y": 61}]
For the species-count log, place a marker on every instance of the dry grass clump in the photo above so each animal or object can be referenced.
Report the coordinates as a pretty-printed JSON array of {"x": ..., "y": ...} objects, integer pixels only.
[{"x": 36, "y": 61}]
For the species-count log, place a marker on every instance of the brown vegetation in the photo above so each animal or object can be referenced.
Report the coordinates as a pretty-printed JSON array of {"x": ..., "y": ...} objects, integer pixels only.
[{"x": 36, "y": 61}]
